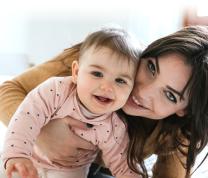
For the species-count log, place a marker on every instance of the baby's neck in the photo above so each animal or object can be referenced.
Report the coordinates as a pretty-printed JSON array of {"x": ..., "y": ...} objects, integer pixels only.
[{"x": 88, "y": 114}]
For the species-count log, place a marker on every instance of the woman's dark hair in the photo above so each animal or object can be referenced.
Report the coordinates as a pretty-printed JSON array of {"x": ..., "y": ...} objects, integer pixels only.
[{"x": 189, "y": 135}]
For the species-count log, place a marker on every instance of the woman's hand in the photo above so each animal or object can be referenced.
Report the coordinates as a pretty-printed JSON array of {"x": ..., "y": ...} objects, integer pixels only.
[{"x": 58, "y": 142}]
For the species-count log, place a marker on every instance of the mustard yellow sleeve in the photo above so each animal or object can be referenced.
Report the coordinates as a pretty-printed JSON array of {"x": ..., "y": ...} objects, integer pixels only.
[
  {"x": 170, "y": 162},
  {"x": 168, "y": 166},
  {"x": 13, "y": 92}
]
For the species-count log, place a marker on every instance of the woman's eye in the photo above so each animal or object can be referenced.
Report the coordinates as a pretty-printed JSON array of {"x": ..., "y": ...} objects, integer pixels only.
[
  {"x": 170, "y": 96},
  {"x": 120, "y": 81},
  {"x": 97, "y": 74},
  {"x": 151, "y": 67}
]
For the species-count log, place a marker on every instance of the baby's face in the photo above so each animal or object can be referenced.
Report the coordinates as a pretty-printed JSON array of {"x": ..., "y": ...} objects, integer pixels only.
[{"x": 104, "y": 79}]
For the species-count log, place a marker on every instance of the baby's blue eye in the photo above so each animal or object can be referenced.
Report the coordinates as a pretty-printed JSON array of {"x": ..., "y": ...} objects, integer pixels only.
[
  {"x": 97, "y": 74},
  {"x": 151, "y": 67},
  {"x": 120, "y": 81}
]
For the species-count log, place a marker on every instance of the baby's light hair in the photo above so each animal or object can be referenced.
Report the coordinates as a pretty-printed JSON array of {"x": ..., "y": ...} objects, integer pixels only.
[{"x": 118, "y": 40}]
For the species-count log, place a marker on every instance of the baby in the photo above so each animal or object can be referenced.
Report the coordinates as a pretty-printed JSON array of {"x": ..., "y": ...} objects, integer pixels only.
[{"x": 101, "y": 83}]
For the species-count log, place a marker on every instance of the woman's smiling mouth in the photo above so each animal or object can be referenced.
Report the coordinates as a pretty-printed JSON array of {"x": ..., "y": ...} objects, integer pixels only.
[{"x": 138, "y": 103}]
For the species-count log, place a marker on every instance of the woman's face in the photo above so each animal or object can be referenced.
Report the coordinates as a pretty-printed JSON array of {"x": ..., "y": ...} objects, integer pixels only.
[{"x": 158, "y": 86}]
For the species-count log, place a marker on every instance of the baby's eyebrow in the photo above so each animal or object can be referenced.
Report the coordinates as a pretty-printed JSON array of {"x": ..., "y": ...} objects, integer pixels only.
[
  {"x": 176, "y": 92},
  {"x": 96, "y": 66},
  {"x": 126, "y": 76}
]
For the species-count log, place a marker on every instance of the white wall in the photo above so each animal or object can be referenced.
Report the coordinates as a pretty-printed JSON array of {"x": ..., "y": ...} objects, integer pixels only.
[{"x": 41, "y": 29}]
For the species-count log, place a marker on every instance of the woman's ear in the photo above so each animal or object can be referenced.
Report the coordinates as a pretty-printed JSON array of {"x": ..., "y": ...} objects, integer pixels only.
[
  {"x": 181, "y": 112},
  {"x": 75, "y": 70}
]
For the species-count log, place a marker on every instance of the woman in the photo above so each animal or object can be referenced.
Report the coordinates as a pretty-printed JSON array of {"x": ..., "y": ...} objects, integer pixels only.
[
  {"x": 170, "y": 91},
  {"x": 184, "y": 129}
]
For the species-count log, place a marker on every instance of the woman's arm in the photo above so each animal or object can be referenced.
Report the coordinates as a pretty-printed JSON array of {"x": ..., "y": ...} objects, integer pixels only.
[
  {"x": 14, "y": 91},
  {"x": 171, "y": 164},
  {"x": 168, "y": 166},
  {"x": 168, "y": 163}
]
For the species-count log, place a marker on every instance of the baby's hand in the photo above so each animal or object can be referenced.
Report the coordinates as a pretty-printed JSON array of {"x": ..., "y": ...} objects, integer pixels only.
[{"x": 23, "y": 166}]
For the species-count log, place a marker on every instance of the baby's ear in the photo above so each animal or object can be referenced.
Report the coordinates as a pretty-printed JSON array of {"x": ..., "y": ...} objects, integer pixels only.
[{"x": 75, "y": 69}]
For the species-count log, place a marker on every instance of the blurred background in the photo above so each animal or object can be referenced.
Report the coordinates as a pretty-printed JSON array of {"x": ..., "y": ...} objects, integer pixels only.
[{"x": 33, "y": 31}]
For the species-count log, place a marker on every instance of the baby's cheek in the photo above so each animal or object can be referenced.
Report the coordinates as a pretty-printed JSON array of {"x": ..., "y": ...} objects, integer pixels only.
[{"x": 123, "y": 99}]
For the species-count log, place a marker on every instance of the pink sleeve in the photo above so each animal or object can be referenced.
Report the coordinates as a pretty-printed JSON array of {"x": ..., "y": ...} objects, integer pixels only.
[
  {"x": 114, "y": 151},
  {"x": 34, "y": 112}
]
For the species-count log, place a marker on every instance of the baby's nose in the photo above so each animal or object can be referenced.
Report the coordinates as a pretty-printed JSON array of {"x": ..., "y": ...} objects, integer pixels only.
[{"x": 106, "y": 86}]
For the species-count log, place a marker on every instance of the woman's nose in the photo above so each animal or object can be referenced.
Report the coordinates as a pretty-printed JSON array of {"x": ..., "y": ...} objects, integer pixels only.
[{"x": 147, "y": 91}]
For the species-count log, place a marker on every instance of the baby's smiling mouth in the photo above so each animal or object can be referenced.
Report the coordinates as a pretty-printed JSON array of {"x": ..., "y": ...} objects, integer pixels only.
[{"x": 103, "y": 99}]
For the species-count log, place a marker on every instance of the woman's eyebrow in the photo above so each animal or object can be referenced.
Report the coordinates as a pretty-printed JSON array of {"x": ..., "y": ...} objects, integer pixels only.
[
  {"x": 176, "y": 92},
  {"x": 180, "y": 94}
]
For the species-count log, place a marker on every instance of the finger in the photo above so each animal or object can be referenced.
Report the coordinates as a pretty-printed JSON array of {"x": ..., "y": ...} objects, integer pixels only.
[
  {"x": 22, "y": 170},
  {"x": 86, "y": 160},
  {"x": 69, "y": 161},
  {"x": 33, "y": 173},
  {"x": 83, "y": 152},
  {"x": 75, "y": 123},
  {"x": 80, "y": 154},
  {"x": 64, "y": 163},
  {"x": 9, "y": 170},
  {"x": 75, "y": 161},
  {"x": 84, "y": 144},
  {"x": 65, "y": 155}
]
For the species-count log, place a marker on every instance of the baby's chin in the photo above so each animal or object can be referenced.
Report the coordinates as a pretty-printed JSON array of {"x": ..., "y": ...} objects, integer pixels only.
[{"x": 102, "y": 112}]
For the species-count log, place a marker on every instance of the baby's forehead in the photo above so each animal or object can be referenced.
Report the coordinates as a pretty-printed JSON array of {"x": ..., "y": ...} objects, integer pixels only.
[{"x": 100, "y": 51}]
